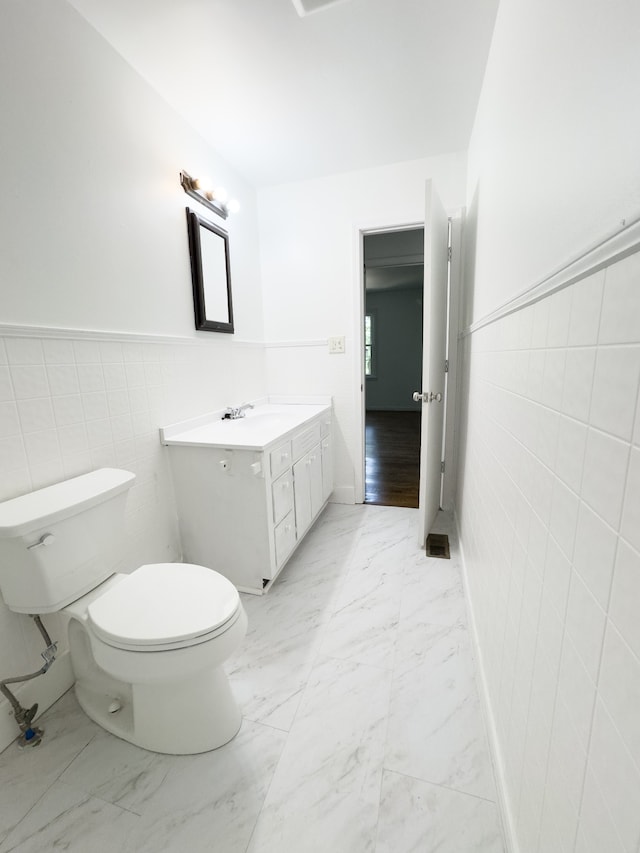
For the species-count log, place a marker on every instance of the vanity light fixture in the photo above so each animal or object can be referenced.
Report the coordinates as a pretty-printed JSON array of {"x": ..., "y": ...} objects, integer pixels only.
[{"x": 215, "y": 198}]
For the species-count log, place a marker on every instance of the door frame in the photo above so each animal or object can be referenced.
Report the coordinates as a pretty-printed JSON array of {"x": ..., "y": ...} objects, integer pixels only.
[
  {"x": 358, "y": 335},
  {"x": 451, "y": 402}
]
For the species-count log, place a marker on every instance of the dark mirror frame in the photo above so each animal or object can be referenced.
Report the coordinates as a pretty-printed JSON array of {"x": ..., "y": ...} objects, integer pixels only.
[{"x": 194, "y": 223}]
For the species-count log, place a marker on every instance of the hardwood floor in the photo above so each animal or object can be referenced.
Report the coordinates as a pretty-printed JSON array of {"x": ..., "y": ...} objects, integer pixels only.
[{"x": 392, "y": 458}]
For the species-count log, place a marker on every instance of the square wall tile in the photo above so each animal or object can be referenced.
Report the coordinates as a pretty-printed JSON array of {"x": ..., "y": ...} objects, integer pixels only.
[
  {"x": 6, "y": 387},
  {"x": 585, "y": 310},
  {"x": 559, "y": 314},
  {"x": 9, "y": 420},
  {"x": 578, "y": 381},
  {"x": 564, "y": 516},
  {"x": 605, "y": 474},
  {"x": 625, "y": 595},
  {"x": 72, "y": 439},
  {"x": 630, "y": 528},
  {"x": 63, "y": 379},
  {"x": 576, "y": 689},
  {"x": 557, "y": 577},
  {"x": 68, "y": 410},
  {"x": 95, "y": 406},
  {"x": 618, "y": 777},
  {"x": 111, "y": 352},
  {"x": 594, "y": 554},
  {"x": 42, "y": 447},
  {"x": 620, "y": 320},
  {"x": 12, "y": 454},
  {"x": 90, "y": 377},
  {"x": 615, "y": 390},
  {"x": 98, "y": 433},
  {"x": 585, "y": 625},
  {"x": 553, "y": 381},
  {"x": 58, "y": 351},
  {"x": 29, "y": 380},
  {"x": 597, "y": 830},
  {"x": 619, "y": 689},
  {"x": 572, "y": 443},
  {"x": 86, "y": 352},
  {"x": 36, "y": 414},
  {"x": 24, "y": 350}
]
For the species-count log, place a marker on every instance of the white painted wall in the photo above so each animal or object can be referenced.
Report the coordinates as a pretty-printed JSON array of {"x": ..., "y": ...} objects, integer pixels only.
[
  {"x": 93, "y": 237},
  {"x": 553, "y": 160},
  {"x": 549, "y": 489},
  {"x": 310, "y": 267},
  {"x": 92, "y": 221}
]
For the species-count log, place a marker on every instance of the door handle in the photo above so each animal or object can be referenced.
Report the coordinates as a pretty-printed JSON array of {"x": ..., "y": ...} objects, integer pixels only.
[{"x": 427, "y": 397}]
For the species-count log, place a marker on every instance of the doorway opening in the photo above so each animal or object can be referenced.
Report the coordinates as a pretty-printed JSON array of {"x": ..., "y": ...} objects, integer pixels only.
[{"x": 393, "y": 332}]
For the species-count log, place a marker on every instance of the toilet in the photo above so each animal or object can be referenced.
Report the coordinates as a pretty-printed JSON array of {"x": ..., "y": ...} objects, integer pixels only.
[{"x": 146, "y": 648}]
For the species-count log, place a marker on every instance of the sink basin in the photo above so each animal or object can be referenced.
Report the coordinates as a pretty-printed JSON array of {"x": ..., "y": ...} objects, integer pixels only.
[{"x": 258, "y": 428}]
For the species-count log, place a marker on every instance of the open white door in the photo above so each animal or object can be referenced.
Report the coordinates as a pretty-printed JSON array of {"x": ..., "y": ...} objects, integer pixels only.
[{"x": 436, "y": 258}]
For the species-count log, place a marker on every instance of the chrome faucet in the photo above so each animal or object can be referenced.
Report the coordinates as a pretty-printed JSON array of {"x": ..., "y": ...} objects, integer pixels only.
[{"x": 235, "y": 412}]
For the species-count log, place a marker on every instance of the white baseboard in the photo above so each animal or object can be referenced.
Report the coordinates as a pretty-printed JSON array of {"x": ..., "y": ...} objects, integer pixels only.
[
  {"x": 506, "y": 816},
  {"x": 44, "y": 690},
  {"x": 343, "y": 495}
]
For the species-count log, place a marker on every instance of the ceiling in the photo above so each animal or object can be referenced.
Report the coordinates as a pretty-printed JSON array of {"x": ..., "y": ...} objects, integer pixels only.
[{"x": 357, "y": 84}]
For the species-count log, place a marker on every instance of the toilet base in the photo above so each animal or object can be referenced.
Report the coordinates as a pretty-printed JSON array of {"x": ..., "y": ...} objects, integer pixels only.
[{"x": 179, "y": 718}]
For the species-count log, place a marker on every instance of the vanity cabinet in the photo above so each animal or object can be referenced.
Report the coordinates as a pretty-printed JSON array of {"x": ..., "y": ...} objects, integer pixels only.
[{"x": 243, "y": 510}]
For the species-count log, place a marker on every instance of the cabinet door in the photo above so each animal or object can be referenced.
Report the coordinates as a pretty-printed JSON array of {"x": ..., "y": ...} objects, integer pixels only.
[
  {"x": 302, "y": 494},
  {"x": 327, "y": 468},
  {"x": 315, "y": 480},
  {"x": 282, "y": 496}
]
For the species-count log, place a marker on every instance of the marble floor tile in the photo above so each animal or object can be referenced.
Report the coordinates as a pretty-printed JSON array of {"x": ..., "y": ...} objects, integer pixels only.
[
  {"x": 325, "y": 792},
  {"x": 436, "y": 731},
  {"x": 118, "y": 772},
  {"x": 25, "y": 775},
  {"x": 210, "y": 802},
  {"x": 69, "y": 820},
  {"x": 441, "y": 820}
]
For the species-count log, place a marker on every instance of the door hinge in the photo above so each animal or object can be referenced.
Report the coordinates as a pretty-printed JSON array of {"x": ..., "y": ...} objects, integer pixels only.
[
  {"x": 449, "y": 253},
  {"x": 446, "y": 365},
  {"x": 442, "y": 467}
]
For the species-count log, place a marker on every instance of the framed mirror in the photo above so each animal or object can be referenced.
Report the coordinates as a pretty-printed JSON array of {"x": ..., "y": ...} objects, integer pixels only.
[{"x": 210, "y": 274}]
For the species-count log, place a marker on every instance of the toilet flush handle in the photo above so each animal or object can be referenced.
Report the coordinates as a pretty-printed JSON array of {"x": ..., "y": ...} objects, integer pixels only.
[{"x": 45, "y": 539}]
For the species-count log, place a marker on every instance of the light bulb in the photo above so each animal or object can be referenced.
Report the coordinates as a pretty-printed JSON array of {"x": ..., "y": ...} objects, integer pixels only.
[
  {"x": 220, "y": 194},
  {"x": 233, "y": 206},
  {"x": 203, "y": 184}
]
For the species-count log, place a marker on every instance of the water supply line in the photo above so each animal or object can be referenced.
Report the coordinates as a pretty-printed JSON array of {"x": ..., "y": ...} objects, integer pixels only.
[{"x": 30, "y": 735}]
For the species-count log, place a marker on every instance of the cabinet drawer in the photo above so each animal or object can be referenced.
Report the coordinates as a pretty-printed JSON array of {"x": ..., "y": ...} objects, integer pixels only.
[
  {"x": 285, "y": 538},
  {"x": 282, "y": 493},
  {"x": 304, "y": 441},
  {"x": 280, "y": 459}
]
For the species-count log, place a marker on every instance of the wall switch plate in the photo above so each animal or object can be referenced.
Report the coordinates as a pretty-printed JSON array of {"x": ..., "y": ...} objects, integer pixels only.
[{"x": 336, "y": 344}]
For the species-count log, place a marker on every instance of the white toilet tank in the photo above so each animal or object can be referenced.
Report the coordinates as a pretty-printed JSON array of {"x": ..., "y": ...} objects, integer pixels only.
[{"x": 58, "y": 543}]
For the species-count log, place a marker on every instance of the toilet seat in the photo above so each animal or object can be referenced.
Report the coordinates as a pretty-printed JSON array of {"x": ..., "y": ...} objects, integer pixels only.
[{"x": 164, "y": 606}]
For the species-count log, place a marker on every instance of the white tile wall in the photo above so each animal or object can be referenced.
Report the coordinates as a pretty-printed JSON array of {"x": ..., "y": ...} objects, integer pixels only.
[
  {"x": 70, "y": 406},
  {"x": 549, "y": 512}
]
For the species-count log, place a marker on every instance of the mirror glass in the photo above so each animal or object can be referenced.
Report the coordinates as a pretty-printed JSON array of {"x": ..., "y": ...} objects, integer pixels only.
[{"x": 210, "y": 274}]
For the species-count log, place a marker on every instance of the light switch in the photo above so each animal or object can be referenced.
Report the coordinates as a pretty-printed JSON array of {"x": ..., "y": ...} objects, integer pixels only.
[{"x": 336, "y": 344}]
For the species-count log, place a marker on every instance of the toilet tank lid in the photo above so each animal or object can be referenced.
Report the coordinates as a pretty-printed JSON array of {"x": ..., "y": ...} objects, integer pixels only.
[{"x": 38, "y": 509}]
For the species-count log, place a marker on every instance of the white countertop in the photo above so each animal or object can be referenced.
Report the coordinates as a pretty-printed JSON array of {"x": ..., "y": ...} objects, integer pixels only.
[{"x": 262, "y": 426}]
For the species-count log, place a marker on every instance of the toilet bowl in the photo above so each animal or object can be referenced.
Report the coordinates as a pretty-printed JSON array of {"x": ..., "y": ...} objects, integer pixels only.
[
  {"x": 147, "y": 648},
  {"x": 147, "y": 651}
]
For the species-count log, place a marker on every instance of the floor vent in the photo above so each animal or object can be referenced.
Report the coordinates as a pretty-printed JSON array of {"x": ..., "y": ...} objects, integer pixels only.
[{"x": 438, "y": 545}]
